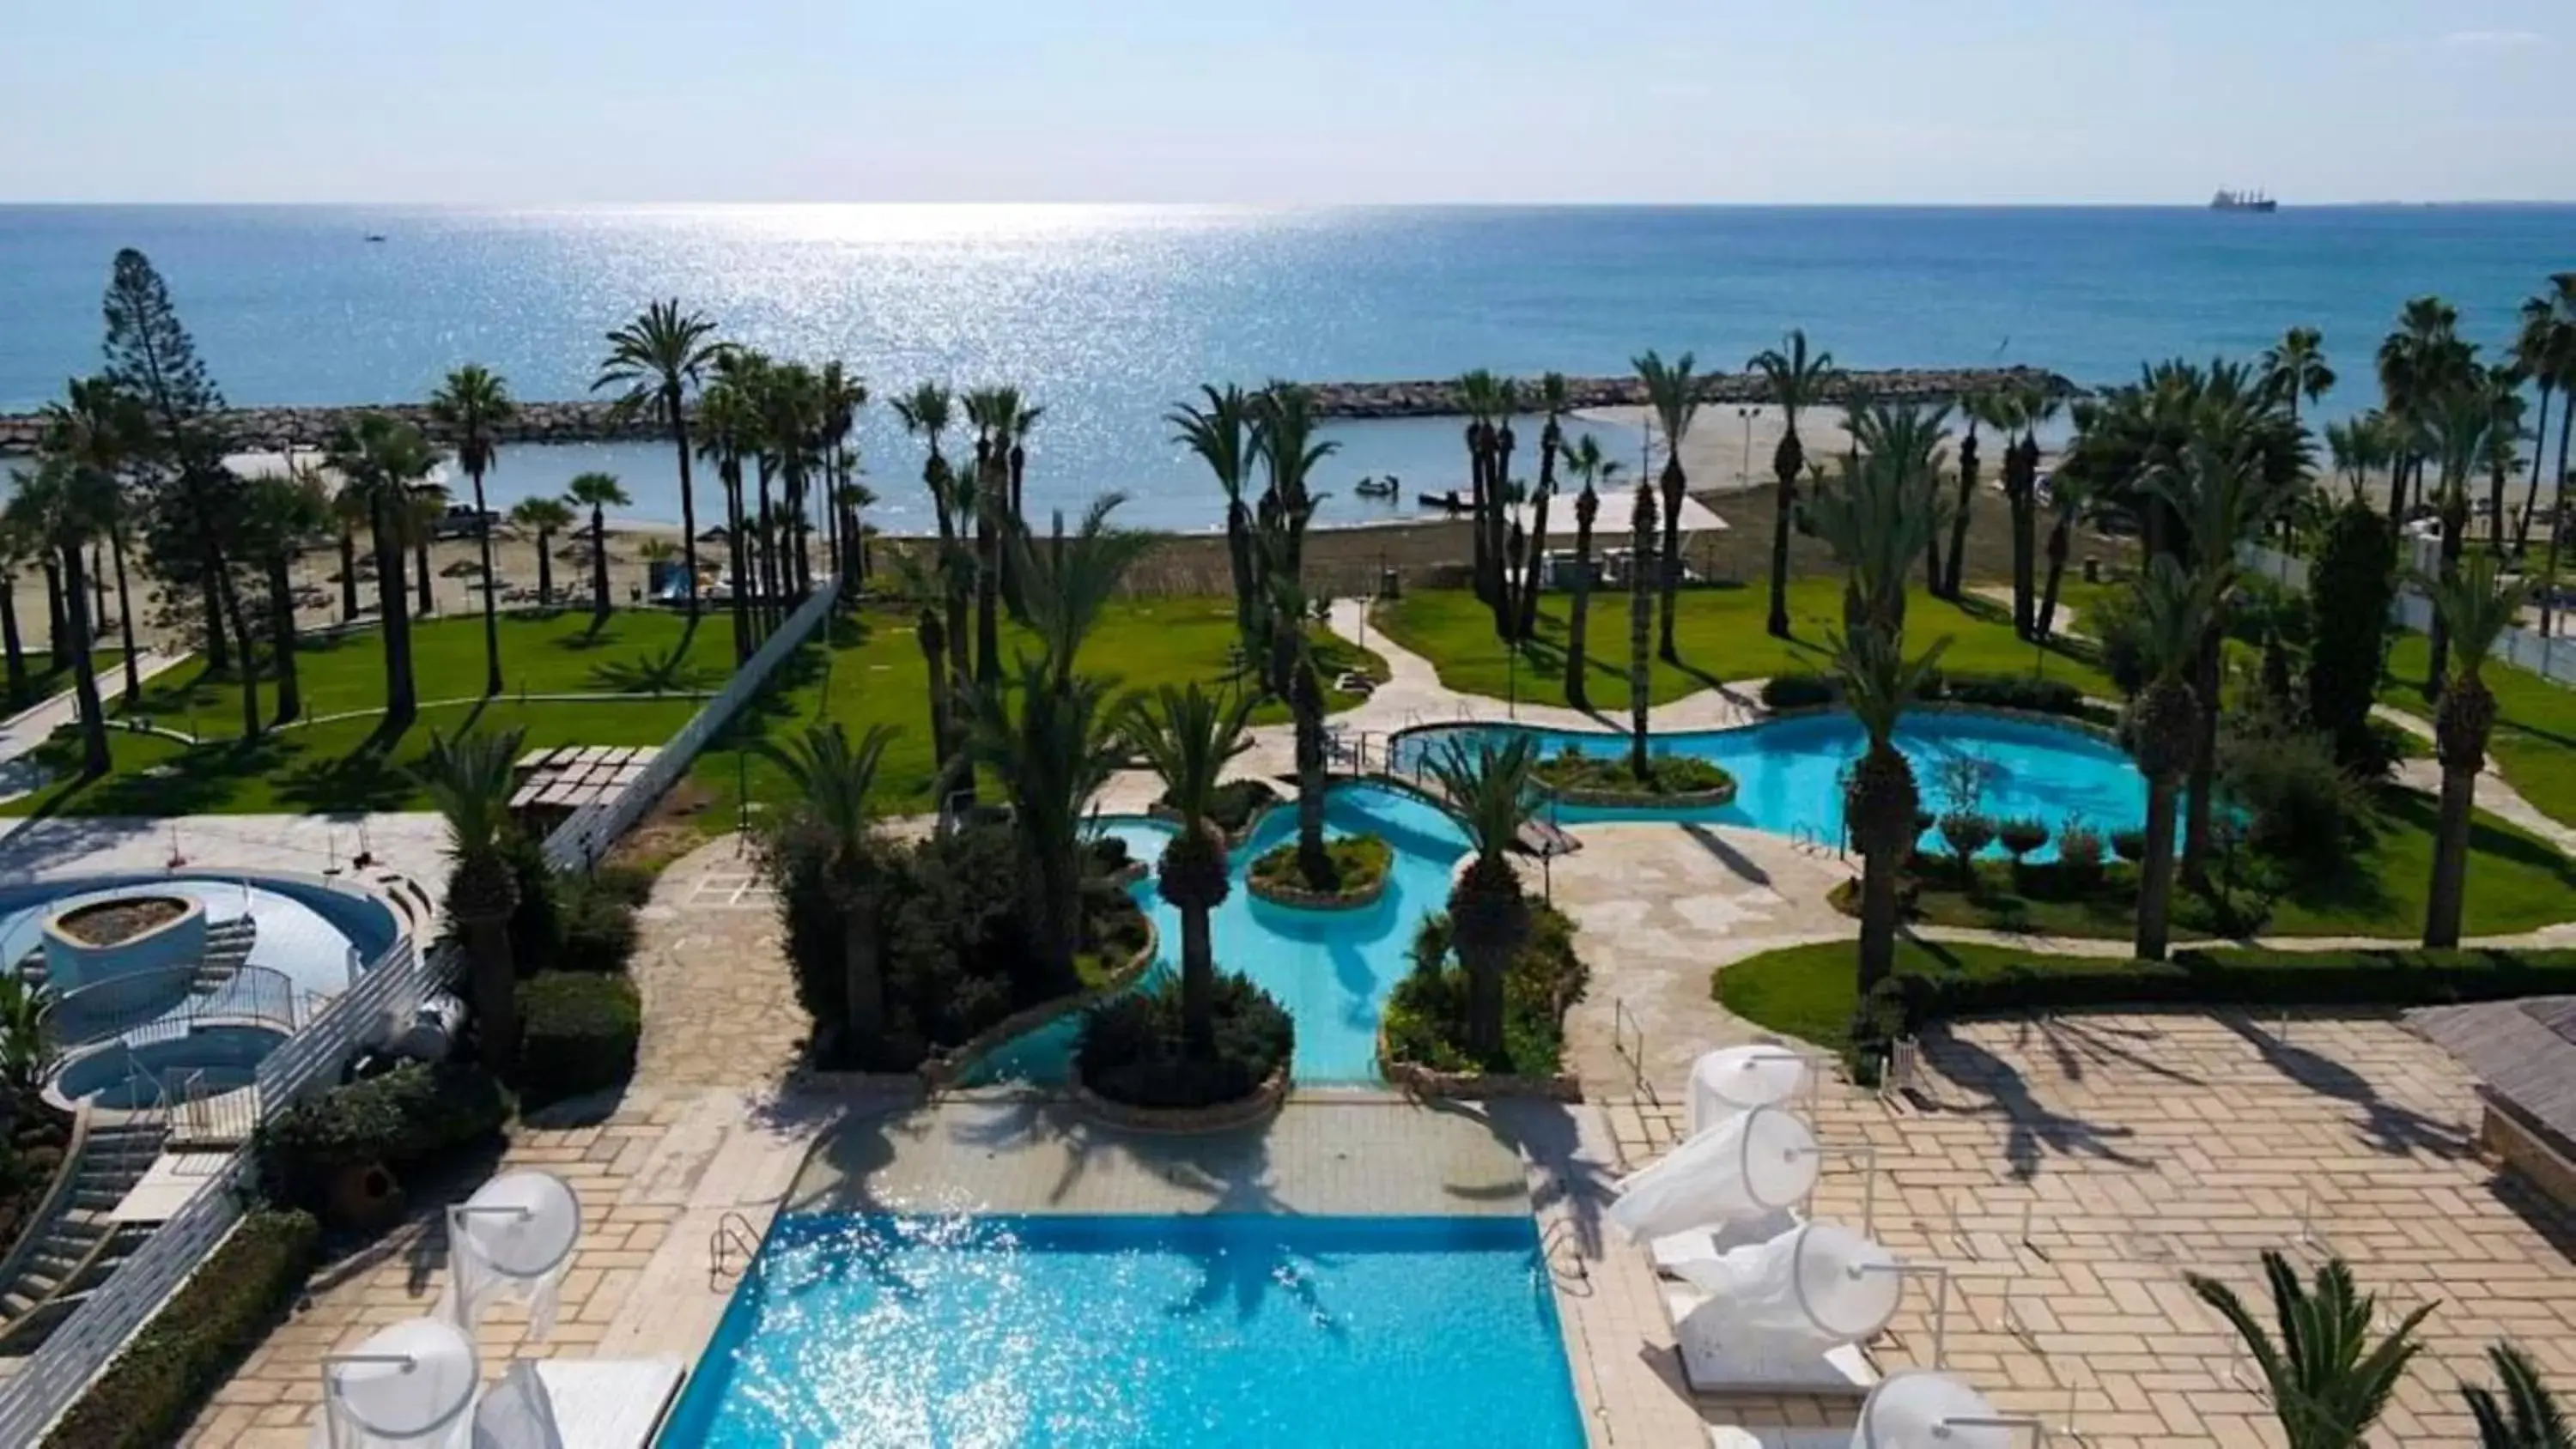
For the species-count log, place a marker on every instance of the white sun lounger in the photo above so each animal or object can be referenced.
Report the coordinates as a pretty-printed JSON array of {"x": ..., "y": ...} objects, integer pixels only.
[
  {"x": 1675, "y": 1249},
  {"x": 1733, "y": 1436},
  {"x": 609, "y": 1403},
  {"x": 1712, "y": 1363}
]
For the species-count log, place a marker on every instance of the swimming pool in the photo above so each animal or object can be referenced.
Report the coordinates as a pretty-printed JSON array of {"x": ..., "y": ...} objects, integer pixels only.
[
  {"x": 1333, "y": 970},
  {"x": 1788, "y": 773},
  {"x": 309, "y": 932},
  {"x": 1237, "y": 1330}
]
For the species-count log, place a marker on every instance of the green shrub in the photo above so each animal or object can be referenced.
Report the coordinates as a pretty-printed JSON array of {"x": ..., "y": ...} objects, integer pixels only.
[
  {"x": 1800, "y": 691},
  {"x": 598, "y": 926},
  {"x": 580, "y": 1031},
  {"x": 2011, "y": 691},
  {"x": 536, "y": 925},
  {"x": 1665, "y": 774},
  {"x": 2020, "y": 836},
  {"x": 2079, "y": 852},
  {"x": 184, "y": 1352},
  {"x": 2299, "y": 804},
  {"x": 2121, "y": 632},
  {"x": 2353, "y": 580},
  {"x": 1131, "y": 1049},
  {"x": 1359, "y": 863},
  {"x": 1966, "y": 834},
  {"x": 410, "y": 1116},
  {"x": 630, "y": 884},
  {"x": 2129, "y": 845},
  {"x": 1426, "y": 1016}
]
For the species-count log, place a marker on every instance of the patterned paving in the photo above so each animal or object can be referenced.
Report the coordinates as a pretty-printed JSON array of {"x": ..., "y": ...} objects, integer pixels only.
[
  {"x": 2139, "y": 1147},
  {"x": 719, "y": 1002}
]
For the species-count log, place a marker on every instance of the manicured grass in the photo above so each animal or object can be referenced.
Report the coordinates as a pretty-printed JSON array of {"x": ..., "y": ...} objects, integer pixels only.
[
  {"x": 346, "y": 764},
  {"x": 1718, "y": 632},
  {"x": 872, "y": 673},
  {"x": 2517, "y": 883},
  {"x": 2534, "y": 743},
  {"x": 44, "y": 681},
  {"x": 1810, "y": 991}
]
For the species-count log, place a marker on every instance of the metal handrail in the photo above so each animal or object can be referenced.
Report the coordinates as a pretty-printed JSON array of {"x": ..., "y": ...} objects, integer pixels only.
[{"x": 174, "y": 998}]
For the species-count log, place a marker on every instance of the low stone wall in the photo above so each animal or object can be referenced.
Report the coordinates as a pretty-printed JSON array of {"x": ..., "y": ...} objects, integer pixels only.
[
  {"x": 1439, "y": 397},
  {"x": 1186, "y": 1121},
  {"x": 943, "y": 1071},
  {"x": 2526, "y": 1149},
  {"x": 1415, "y": 1079},
  {"x": 1302, "y": 899},
  {"x": 272, "y": 430},
  {"x": 1683, "y": 800}
]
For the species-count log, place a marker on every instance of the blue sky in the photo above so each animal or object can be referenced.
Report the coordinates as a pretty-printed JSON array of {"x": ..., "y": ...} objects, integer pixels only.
[{"x": 1316, "y": 101}]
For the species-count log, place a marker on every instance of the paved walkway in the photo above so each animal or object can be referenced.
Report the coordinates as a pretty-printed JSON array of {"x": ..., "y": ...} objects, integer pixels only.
[
  {"x": 720, "y": 1004},
  {"x": 22, "y": 732},
  {"x": 64, "y": 846},
  {"x": 2145, "y": 1146}
]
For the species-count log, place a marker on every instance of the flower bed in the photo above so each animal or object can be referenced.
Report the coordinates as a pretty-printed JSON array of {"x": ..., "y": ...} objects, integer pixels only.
[
  {"x": 1360, "y": 862},
  {"x": 1671, "y": 780}
]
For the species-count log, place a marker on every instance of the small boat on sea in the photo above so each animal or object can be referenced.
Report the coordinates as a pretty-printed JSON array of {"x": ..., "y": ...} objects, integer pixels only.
[{"x": 1373, "y": 487}]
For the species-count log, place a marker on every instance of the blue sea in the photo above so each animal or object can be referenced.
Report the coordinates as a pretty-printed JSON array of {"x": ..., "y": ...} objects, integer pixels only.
[{"x": 1107, "y": 315}]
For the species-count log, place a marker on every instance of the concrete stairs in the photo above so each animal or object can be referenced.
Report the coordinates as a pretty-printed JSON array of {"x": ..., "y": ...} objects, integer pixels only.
[{"x": 74, "y": 1249}]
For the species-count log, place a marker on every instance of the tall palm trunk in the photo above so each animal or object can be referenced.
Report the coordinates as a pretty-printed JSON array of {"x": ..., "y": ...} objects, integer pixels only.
[
  {"x": 737, "y": 568},
  {"x": 2021, "y": 468},
  {"x": 2200, "y": 799},
  {"x": 1481, "y": 573},
  {"x": 988, "y": 598},
  {"x": 599, "y": 563},
  {"x": 2557, "y": 521},
  {"x": 252, "y": 724},
  {"x": 424, "y": 580},
  {"x": 2447, "y": 897},
  {"x": 349, "y": 569},
  {"x": 2495, "y": 506},
  {"x": 281, "y": 629},
  {"x": 1306, "y": 704},
  {"x": 545, "y": 569},
  {"x": 1884, "y": 829},
  {"x": 675, "y": 405},
  {"x": 934, "y": 658},
  {"x": 2455, "y": 527},
  {"x": 125, "y": 619},
  {"x": 1579, "y": 617},
  {"x": 1669, "y": 565},
  {"x": 95, "y": 760},
  {"x": 1953, "y": 579},
  {"x": 1525, "y": 626},
  {"x": 2156, "y": 870},
  {"x": 1786, "y": 460},
  {"x": 219, "y": 649},
  {"x": 492, "y": 593},
  {"x": 1496, "y": 521},
  {"x": 393, "y": 602},
  {"x": 766, "y": 546},
  {"x": 11, "y": 645},
  {"x": 58, "y": 637},
  {"x": 1641, "y": 610},
  {"x": 2059, "y": 539},
  {"x": 2539, "y": 460}
]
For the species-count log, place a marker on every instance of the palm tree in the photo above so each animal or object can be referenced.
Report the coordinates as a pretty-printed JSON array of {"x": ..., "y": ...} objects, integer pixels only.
[
  {"x": 1069, "y": 579},
  {"x": 1796, "y": 382},
  {"x": 1886, "y": 508},
  {"x": 1188, "y": 739},
  {"x": 2544, "y": 349},
  {"x": 2163, "y": 729},
  {"x": 1641, "y": 610},
  {"x": 62, "y": 507},
  {"x": 1584, "y": 460},
  {"x": 1051, "y": 744},
  {"x": 2357, "y": 449},
  {"x": 102, "y": 429},
  {"x": 1880, "y": 796},
  {"x": 2459, "y": 430},
  {"x": 1978, "y": 407},
  {"x": 2418, "y": 363},
  {"x": 277, "y": 514},
  {"x": 544, "y": 517},
  {"x": 1553, "y": 404},
  {"x": 471, "y": 408},
  {"x": 854, "y": 499},
  {"x": 1488, "y": 789},
  {"x": 380, "y": 460},
  {"x": 1673, "y": 393},
  {"x": 420, "y": 525},
  {"x": 2031, "y": 406},
  {"x": 2528, "y": 1416},
  {"x": 2295, "y": 368},
  {"x": 598, "y": 492},
  {"x": 1017, "y": 418},
  {"x": 349, "y": 513},
  {"x": 728, "y": 424},
  {"x": 2328, "y": 1381},
  {"x": 1220, "y": 434},
  {"x": 2476, "y": 605},
  {"x": 656, "y": 358},
  {"x": 1283, "y": 439},
  {"x": 928, "y": 413},
  {"x": 841, "y": 394},
  {"x": 1479, "y": 393},
  {"x": 468, "y": 780},
  {"x": 15, "y": 550},
  {"x": 2068, "y": 498},
  {"x": 832, "y": 780}
]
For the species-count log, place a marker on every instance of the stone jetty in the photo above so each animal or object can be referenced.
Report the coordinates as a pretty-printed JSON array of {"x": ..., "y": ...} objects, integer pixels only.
[{"x": 277, "y": 428}]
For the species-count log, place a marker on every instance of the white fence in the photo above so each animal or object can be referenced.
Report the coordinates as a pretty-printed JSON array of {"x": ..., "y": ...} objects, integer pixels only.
[
  {"x": 578, "y": 843},
  {"x": 2553, "y": 660},
  {"x": 382, "y": 996}
]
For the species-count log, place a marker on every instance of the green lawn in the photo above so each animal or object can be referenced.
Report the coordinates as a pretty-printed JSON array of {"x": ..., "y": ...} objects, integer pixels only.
[
  {"x": 1809, "y": 991},
  {"x": 873, "y": 673},
  {"x": 2517, "y": 883},
  {"x": 2534, "y": 743},
  {"x": 44, "y": 681},
  {"x": 346, "y": 764},
  {"x": 1718, "y": 632}
]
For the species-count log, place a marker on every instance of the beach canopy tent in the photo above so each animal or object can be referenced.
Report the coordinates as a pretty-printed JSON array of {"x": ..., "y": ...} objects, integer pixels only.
[
  {"x": 1749, "y": 1166},
  {"x": 1617, "y": 520},
  {"x": 1737, "y": 1079},
  {"x": 410, "y": 1386},
  {"x": 512, "y": 1240},
  {"x": 1920, "y": 1409},
  {"x": 1816, "y": 1287}
]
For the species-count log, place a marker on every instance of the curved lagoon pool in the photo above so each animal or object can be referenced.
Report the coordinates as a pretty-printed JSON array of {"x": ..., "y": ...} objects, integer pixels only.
[
  {"x": 1788, "y": 773},
  {"x": 1333, "y": 970}
]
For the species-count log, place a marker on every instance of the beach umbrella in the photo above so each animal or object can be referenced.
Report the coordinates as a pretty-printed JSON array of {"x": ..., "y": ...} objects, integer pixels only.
[
  {"x": 1737, "y": 1079},
  {"x": 410, "y": 1386},
  {"x": 1753, "y": 1164},
  {"x": 513, "y": 1239},
  {"x": 1921, "y": 1409}
]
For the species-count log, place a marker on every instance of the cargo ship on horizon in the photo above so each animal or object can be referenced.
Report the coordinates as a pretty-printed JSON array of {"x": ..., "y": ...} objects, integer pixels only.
[{"x": 2227, "y": 200}]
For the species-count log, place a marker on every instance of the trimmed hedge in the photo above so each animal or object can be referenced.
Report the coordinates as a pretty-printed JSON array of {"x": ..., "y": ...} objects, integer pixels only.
[
  {"x": 148, "y": 1395},
  {"x": 1609, "y": 774},
  {"x": 1990, "y": 691},
  {"x": 1800, "y": 691},
  {"x": 408, "y": 1116},
  {"x": 580, "y": 1031},
  {"x": 597, "y": 916}
]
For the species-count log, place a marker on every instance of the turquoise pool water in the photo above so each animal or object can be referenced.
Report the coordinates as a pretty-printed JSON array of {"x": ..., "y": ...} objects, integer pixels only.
[
  {"x": 1332, "y": 969},
  {"x": 1788, "y": 773},
  {"x": 1230, "y": 1331}
]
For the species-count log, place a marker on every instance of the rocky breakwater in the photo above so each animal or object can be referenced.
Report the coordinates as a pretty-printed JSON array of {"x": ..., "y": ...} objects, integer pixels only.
[
  {"x": 1425, "y": 399},
  {"x": 271, "y": 430}
]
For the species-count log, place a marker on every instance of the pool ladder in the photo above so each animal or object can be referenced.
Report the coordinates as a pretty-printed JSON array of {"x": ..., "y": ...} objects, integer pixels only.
[
  {"x": 1556, "y": 1244},
  {"x": 732, "y": 1238}
]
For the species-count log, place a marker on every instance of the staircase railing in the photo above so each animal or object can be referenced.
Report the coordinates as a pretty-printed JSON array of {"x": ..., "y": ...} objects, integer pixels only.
[{"x": 169, "y": 1003}]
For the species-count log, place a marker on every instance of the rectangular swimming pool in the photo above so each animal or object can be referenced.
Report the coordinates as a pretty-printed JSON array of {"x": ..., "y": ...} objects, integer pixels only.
[{"x": 1079, "y": 1331}]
